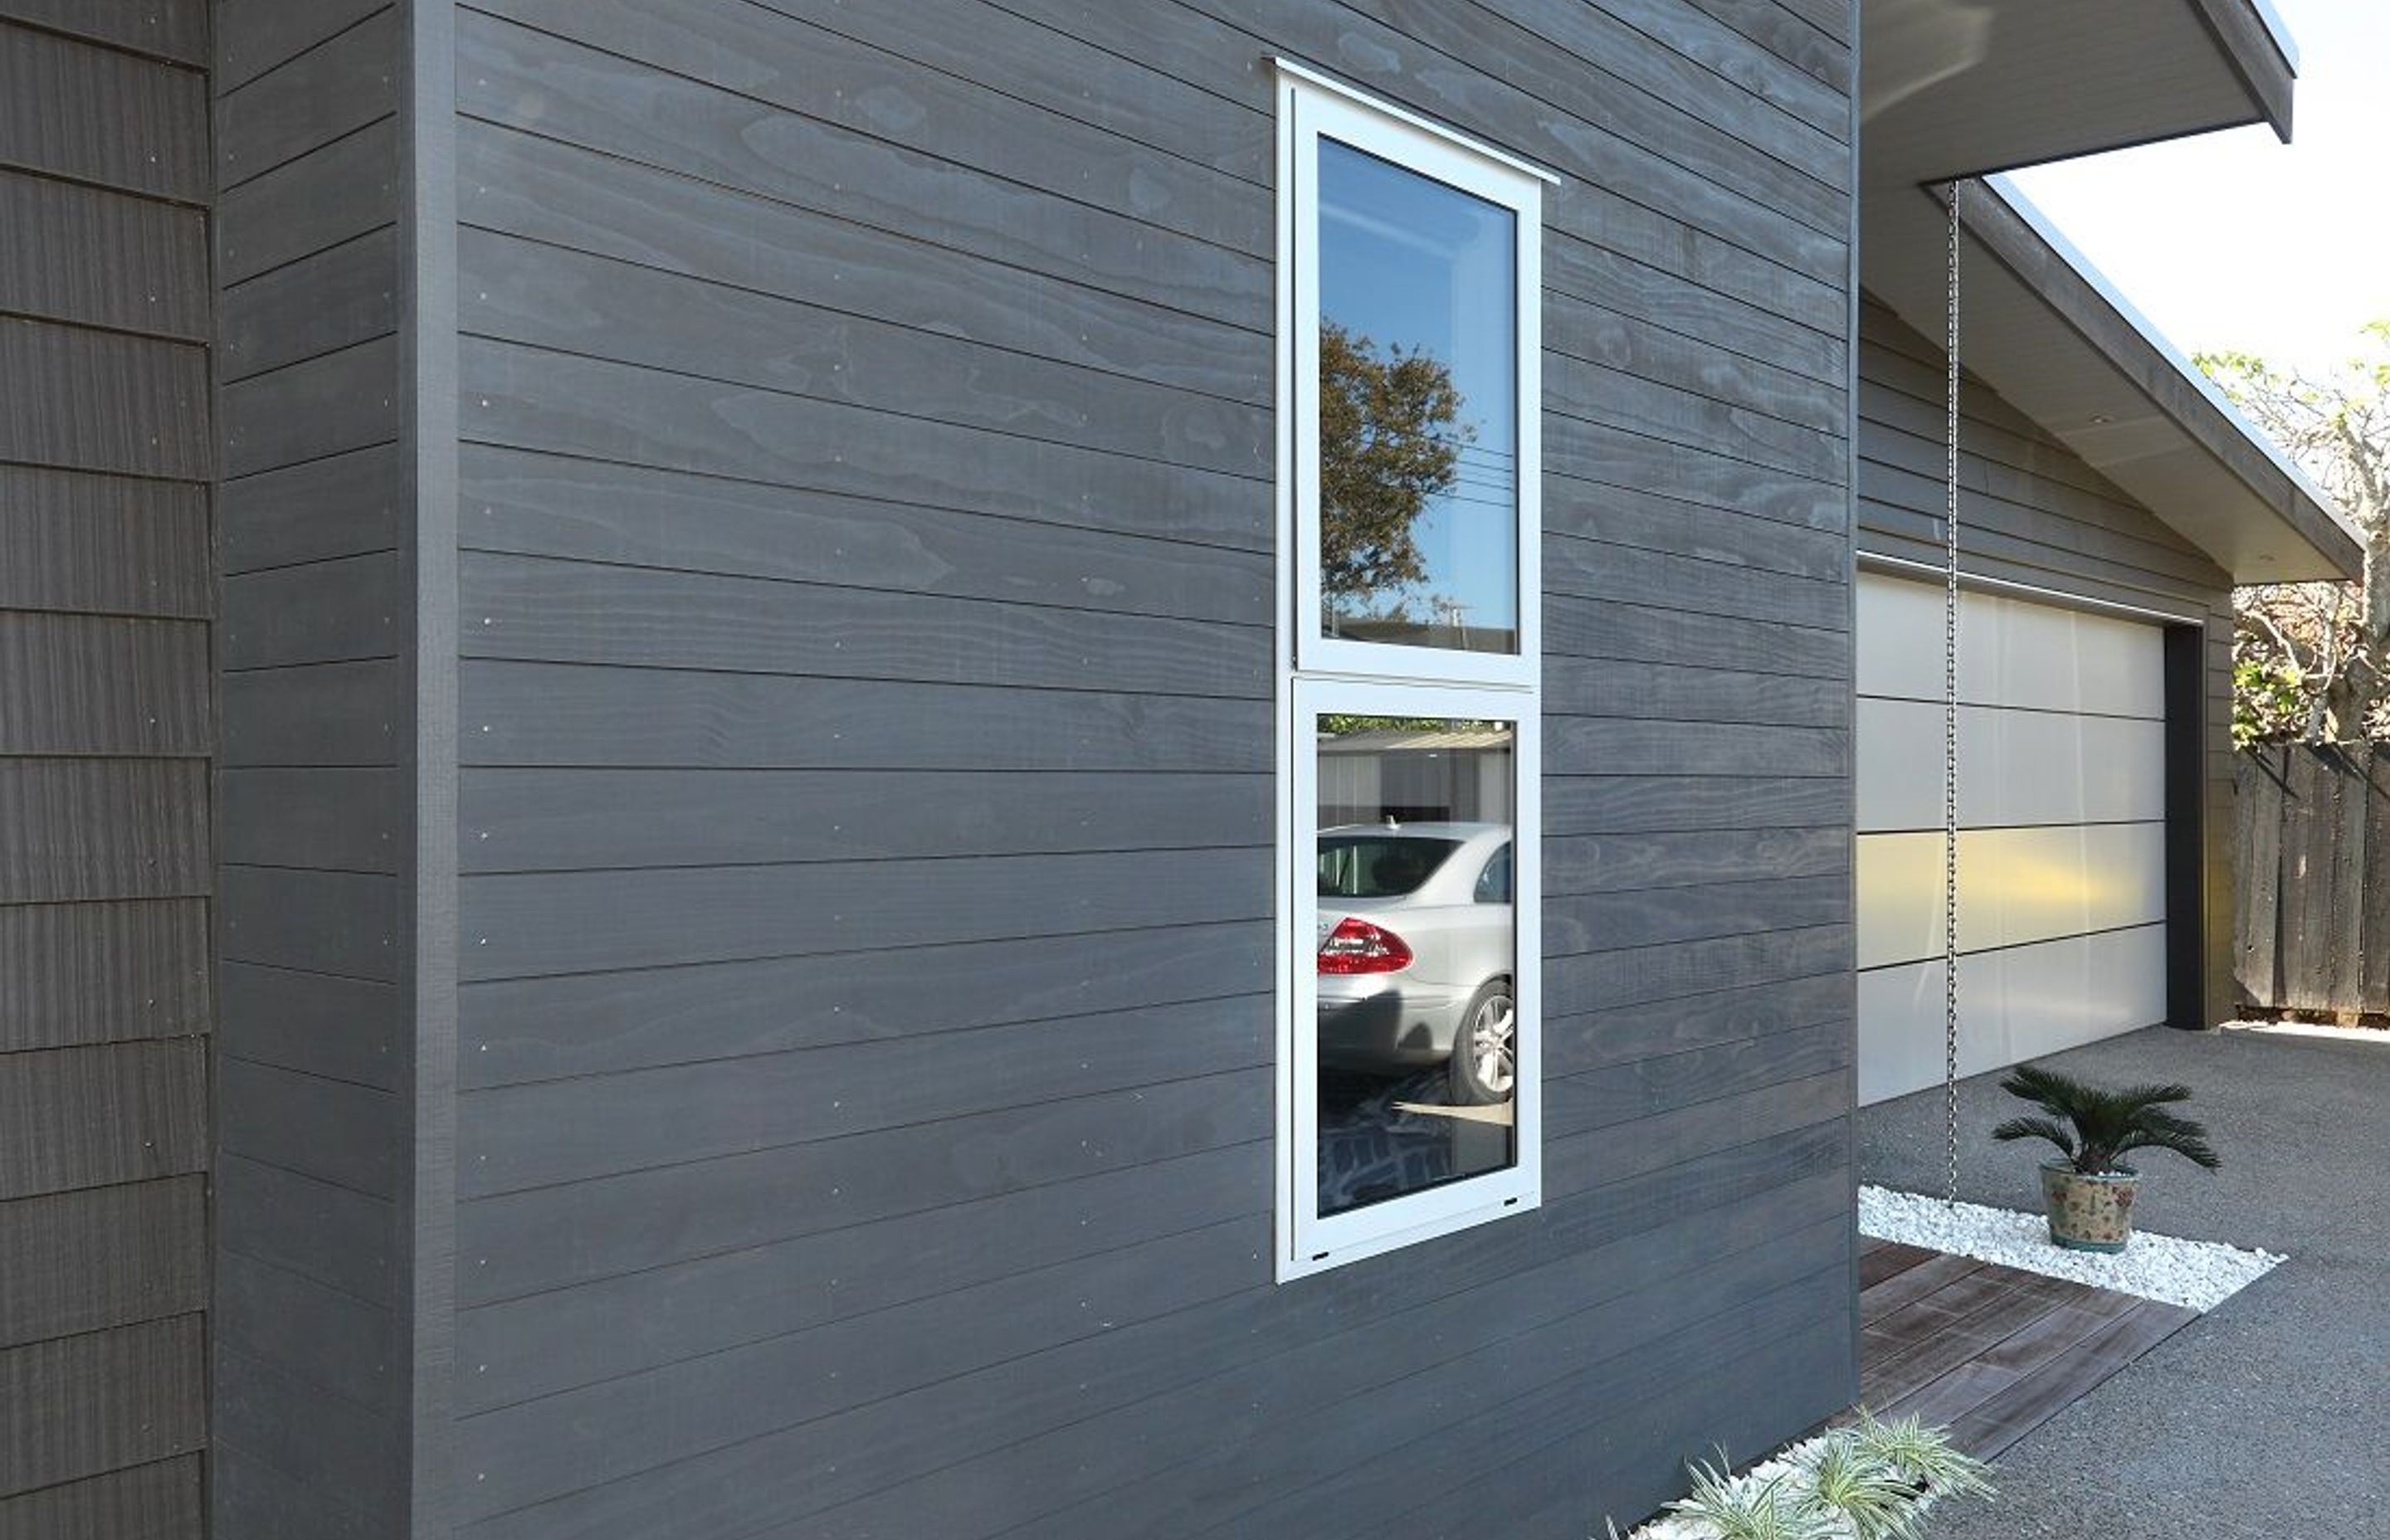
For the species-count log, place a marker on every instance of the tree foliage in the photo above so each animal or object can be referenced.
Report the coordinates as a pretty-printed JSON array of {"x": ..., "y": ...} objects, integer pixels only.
[
  {"x": 2311, "y": 661},
  {"x": 1388, "y": 444}
]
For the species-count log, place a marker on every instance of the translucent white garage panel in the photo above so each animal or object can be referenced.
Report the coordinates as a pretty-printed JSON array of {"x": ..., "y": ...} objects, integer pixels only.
[
  {"x": 2061, "y": 845},
  {"x": 2014, "y": 766},
  {"x": 2015, "y": 885},
  {"x": 2011, "y": 651},
  {"x": 2014, "y": 1006}
]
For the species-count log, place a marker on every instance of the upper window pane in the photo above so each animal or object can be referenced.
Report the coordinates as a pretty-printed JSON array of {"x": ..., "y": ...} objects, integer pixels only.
[{"x": 1418, "y": 431}]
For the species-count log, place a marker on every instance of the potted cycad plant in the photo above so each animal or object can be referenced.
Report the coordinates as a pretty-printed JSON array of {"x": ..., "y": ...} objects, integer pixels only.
[{"x": 2088, "y": 1189}]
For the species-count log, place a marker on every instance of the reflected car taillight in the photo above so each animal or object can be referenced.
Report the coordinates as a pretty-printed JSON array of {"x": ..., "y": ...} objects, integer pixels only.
[{"x": 1357, "y": 946}]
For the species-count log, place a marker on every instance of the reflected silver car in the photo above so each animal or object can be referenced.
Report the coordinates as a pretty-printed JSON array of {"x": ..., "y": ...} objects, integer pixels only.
[{"x": 1416, "y": 943}]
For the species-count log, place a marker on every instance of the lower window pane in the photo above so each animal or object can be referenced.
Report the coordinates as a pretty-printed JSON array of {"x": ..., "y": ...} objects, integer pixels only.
[{"x": 1417, "y": 1033}]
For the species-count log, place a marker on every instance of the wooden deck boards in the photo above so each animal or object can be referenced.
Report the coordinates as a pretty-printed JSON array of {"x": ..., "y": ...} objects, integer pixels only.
[{"x": 1993, "y": 1352}]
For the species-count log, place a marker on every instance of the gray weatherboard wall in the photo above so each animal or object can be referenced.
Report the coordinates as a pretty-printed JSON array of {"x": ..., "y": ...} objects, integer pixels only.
[
  {"x": 2032, "y": 512},
  {"x": 863, "y": 572},
  {"x": 865, "y": 1031},
  {"x": 105, "y": 715}
]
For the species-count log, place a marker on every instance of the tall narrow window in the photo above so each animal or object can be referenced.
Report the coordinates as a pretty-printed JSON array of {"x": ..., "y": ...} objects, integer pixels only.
[{"x": 1409, "y": 329}]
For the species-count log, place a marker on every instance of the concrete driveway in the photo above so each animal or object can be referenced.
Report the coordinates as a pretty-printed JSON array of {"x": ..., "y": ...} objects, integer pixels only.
[{"x": 2270, "y": 1415}]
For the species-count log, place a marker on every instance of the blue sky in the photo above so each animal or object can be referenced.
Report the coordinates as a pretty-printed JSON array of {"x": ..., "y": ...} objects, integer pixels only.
[{"x": 2235, "y": 240}]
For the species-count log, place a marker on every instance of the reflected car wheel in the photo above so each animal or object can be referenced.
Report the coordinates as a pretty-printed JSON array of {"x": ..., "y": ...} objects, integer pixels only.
[{"x": 1485, "y": 1050}]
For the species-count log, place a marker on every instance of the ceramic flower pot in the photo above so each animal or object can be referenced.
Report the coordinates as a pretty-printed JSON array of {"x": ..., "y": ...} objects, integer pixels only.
[{"x": 2089, "y": 1214}]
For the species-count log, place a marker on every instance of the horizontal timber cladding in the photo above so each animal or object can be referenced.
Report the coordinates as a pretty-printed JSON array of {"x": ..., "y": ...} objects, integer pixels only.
[
  {"x": 866, "y": 800},
  {"x": 310, "y": 1353},
  {"x": 2032, "y": 512},
  {"x": 107, "y": 614}
]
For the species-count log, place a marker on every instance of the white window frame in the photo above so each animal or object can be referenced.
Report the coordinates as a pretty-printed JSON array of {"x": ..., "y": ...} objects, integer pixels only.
[
  {"x": 1318, "y": 673},
  {"x": 1309, "y": 113}
]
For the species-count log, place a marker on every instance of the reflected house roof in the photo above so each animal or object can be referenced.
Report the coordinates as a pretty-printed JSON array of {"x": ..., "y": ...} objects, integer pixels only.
[
  {"x": 1385, "y": 740},
  {"x": 1461, "y": 638}
]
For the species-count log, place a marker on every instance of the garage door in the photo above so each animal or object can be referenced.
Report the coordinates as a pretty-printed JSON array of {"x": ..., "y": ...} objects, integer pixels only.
[{"x": 2062, "y": 845}]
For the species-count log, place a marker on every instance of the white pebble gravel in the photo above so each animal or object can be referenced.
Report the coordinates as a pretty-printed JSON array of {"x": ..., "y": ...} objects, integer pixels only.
[{"x": 2199, "y": 1274}]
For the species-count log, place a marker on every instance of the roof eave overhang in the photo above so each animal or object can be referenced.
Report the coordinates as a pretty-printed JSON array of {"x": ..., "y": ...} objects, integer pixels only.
[
  {"x": 2258, "y": 49},
  {"x": 1955, "y": 88},
  {"x": 2135, "y": 409},
  {"x": 1959, "y": 89}
]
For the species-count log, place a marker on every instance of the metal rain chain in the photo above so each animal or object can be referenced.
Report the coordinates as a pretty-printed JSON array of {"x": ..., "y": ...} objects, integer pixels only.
[{"x": 1950, "y": 713}]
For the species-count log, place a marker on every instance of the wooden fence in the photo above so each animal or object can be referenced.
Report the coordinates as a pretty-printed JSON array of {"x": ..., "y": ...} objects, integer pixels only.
[{"x": 2313, "y": 916}]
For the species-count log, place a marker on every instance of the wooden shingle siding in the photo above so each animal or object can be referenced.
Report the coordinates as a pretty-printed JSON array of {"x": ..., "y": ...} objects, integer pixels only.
[
  {"x": 92, "y": 1116},
  {"x": 103, "y": 684},
  {"x": 107, "y": 605},
  {"x": 94, "y": 1258},
  {"x": 158, "y": 1501},
  {"x": 99, "y": 256},
  {"x": 2032, "y": 512},
  {"x": 310, "y": 1354},
  {"x": 159, "y": 28},
  {"x": 103, "y": 400},
  {"x": 867, "y": 581},
  {"x": 86, "y": 113},
  {"x": 102, "y": 972},
  {"x": 92, "y": 545},
  {"x": 111, "y": 828},
  {"x": 109, "y": 1401}
]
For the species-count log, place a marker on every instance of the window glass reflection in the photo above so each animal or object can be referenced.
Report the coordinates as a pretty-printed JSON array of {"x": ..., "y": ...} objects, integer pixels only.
[
  {"x": 1417, "y": 949},
  {"x": 1419, "y": 503}
]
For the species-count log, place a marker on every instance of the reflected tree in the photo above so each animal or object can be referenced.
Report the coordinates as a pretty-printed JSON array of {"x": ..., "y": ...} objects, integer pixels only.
[{"x": 1389, "y": 442}]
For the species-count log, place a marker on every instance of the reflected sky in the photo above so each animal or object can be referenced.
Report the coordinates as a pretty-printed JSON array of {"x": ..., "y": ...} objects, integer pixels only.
[{"x": 1417, "y": 267}]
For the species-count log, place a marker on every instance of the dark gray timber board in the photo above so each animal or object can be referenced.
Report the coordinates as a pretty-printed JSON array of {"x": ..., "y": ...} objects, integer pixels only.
[
  {"x": 309, "y": 1373},
  {"x": 564, "y": 505},
  {"x": 344, "y": 505},
  {"x": 1209, "y": 1365},
  {"x": 556, "y": 1131},
  {"x": 553, "y": 299},
  {"x": 567, "y": 820},
  {"x": 319, "y": 96},
  {"x": 864, "y": 726},
  {"x": 332, "y": 193},
  {"x": 333, "y": 299},
  {"x": 105, "y": 710},
  {"x": 541, "y": 1239}
]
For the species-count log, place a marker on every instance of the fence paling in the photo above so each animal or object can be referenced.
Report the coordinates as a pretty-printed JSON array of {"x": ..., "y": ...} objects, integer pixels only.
[{"x": 2312, "y": 913}]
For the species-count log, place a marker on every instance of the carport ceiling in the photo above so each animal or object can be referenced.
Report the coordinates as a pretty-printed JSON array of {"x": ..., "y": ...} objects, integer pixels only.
[{"x": 1954, "y": 88}]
